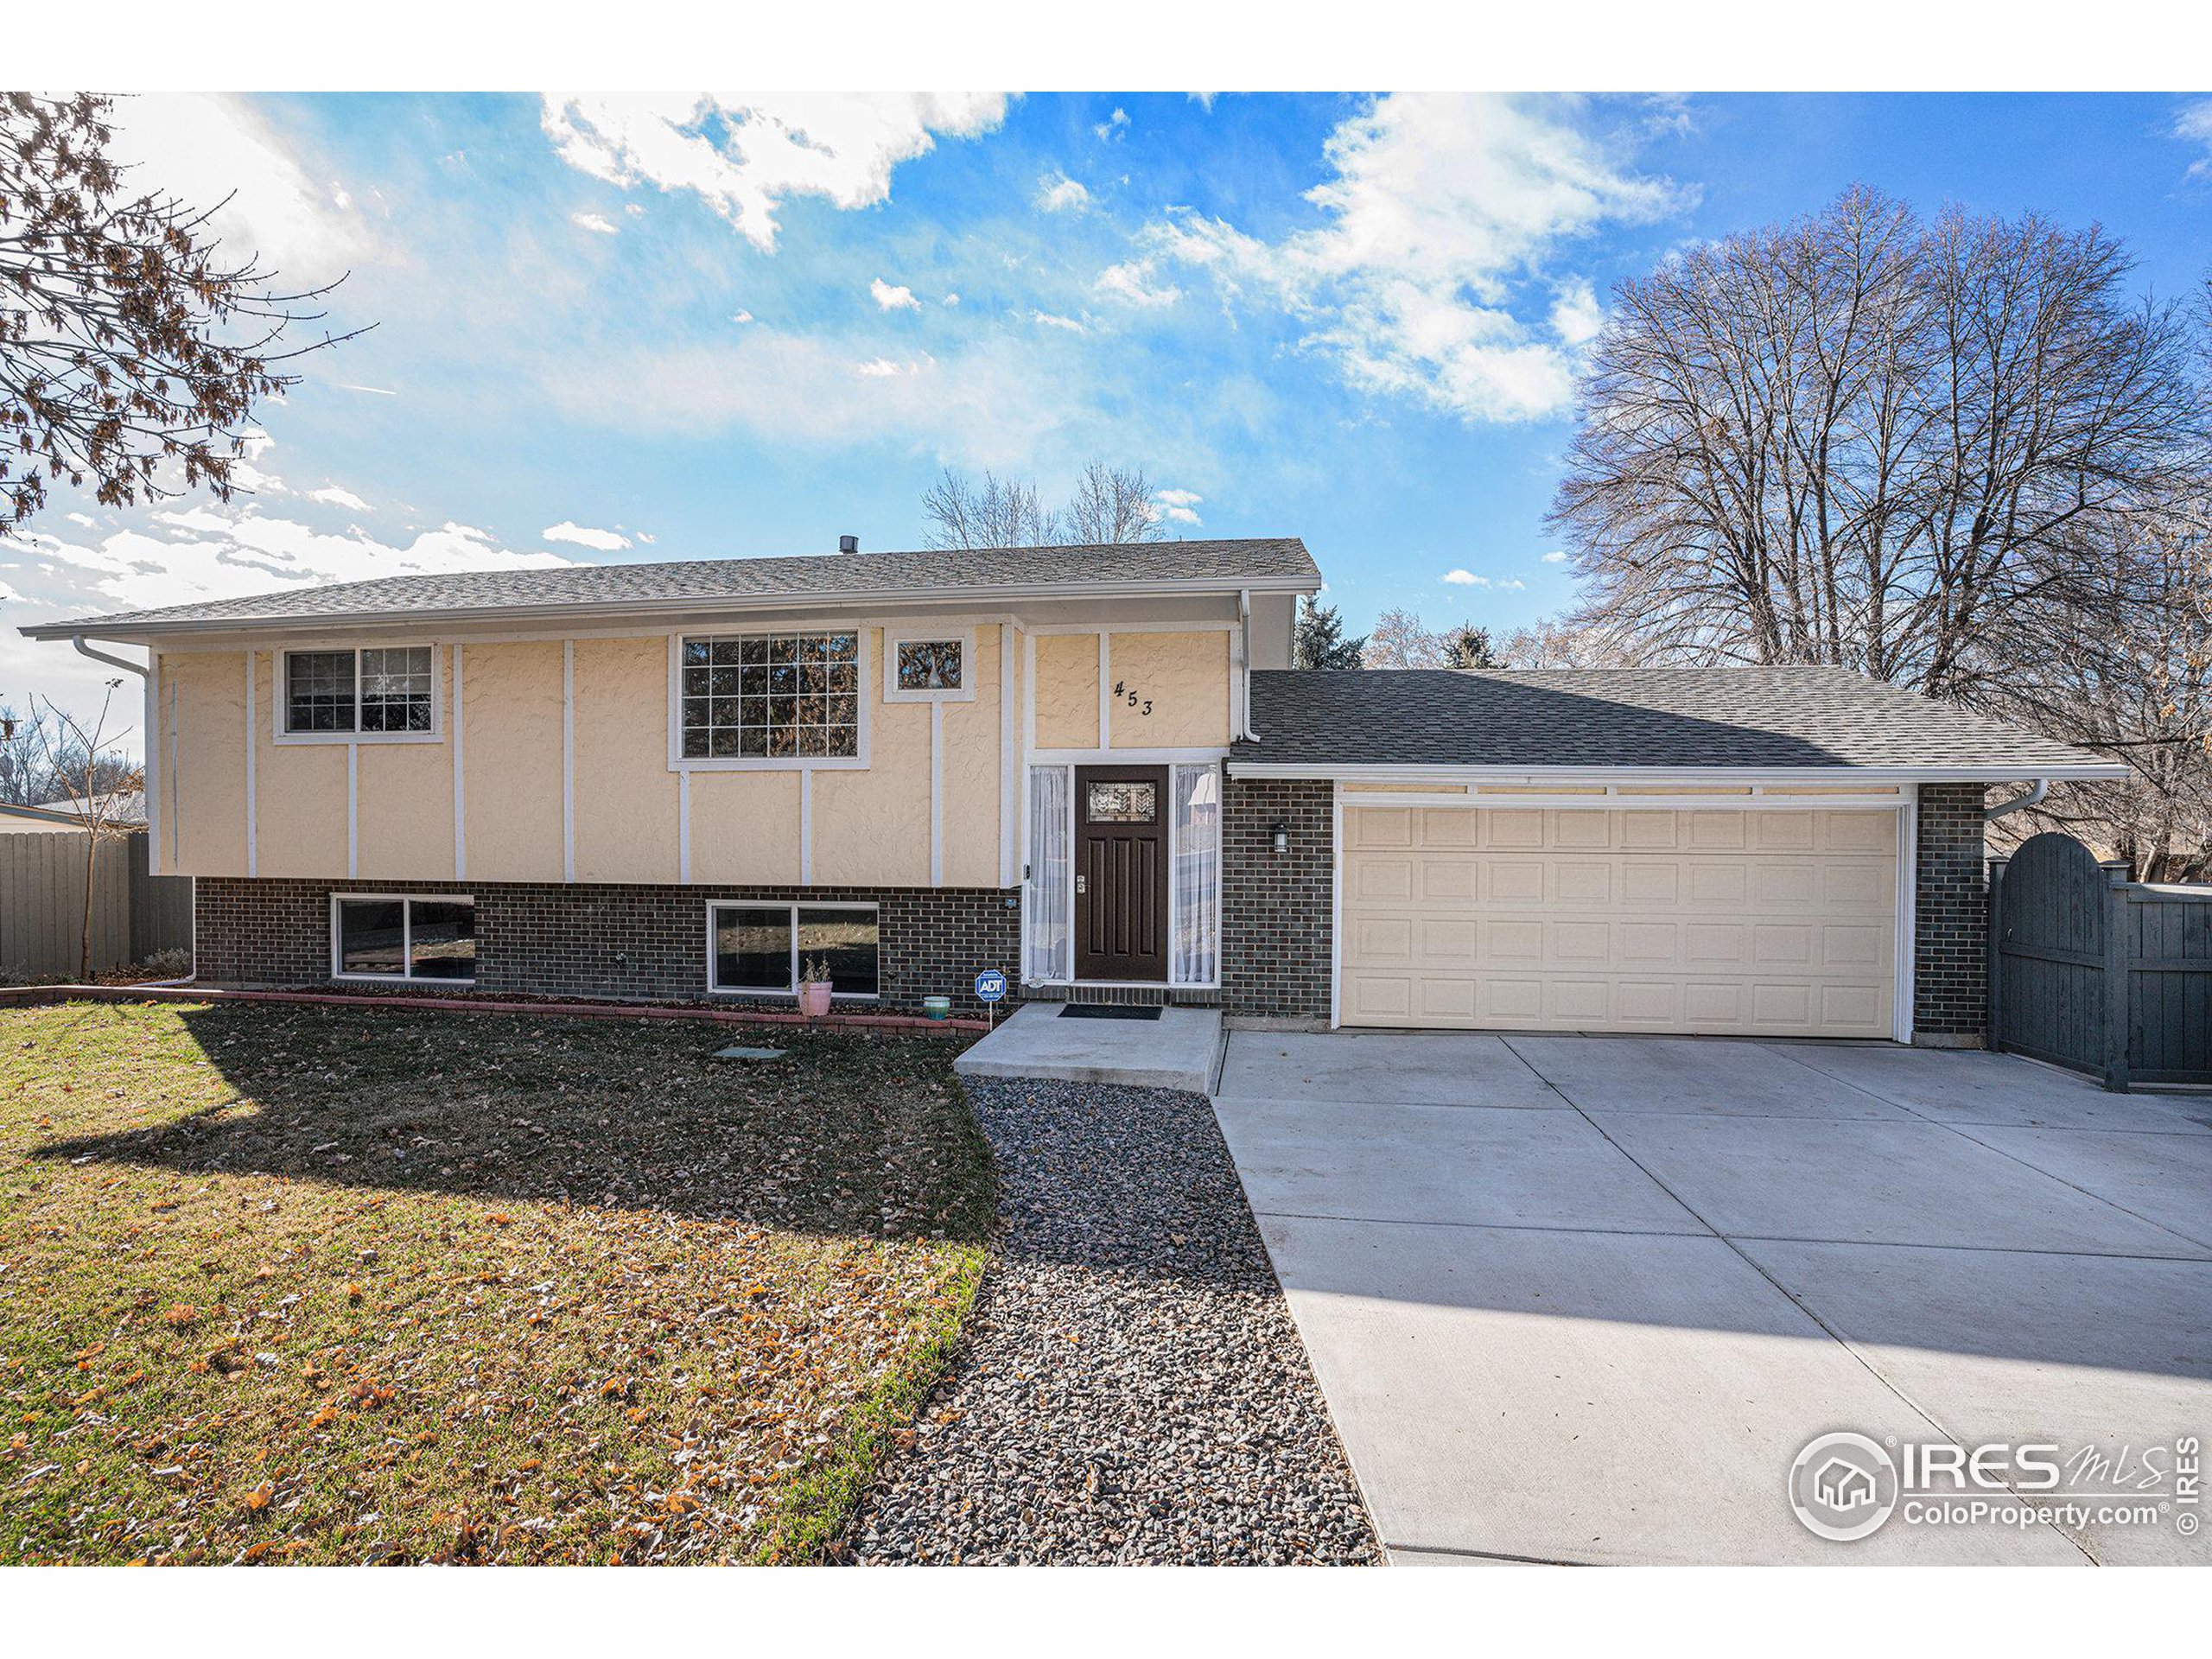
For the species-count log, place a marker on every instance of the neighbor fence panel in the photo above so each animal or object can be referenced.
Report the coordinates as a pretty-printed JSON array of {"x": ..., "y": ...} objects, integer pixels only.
[{"x": 2090, "y": 971}]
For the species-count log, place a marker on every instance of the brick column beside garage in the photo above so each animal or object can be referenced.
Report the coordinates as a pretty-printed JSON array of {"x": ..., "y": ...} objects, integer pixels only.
[
  {"x": 641, "y": 943},
  {"x": 1276, "y": 906},
  {"x": 1951, "y": 903}
]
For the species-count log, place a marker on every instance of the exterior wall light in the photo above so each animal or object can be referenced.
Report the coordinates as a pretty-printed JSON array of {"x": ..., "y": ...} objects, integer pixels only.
[{"x": 1279, "y": 836}]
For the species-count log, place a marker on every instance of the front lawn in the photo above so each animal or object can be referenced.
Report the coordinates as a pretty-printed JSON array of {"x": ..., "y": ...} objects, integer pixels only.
[{"x": 329, "y": 1284}]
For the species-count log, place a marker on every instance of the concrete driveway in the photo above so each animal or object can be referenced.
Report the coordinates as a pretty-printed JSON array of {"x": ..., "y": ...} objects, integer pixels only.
[{"x": 1584, "y": 1299}]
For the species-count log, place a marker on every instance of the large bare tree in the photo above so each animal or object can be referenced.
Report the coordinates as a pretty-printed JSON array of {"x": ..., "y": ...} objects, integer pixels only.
[
  {"x": 1915, "y": 448},
  {"x": 132, "y": 348},
  {"x": 1110, "y": 504}
]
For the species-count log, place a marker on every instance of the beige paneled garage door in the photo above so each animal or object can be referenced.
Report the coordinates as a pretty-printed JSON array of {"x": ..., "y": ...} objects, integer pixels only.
[{"x": 1769, "y": 923}]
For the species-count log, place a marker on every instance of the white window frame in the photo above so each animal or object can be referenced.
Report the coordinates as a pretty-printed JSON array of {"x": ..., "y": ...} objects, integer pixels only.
[
  {"x": 918, "y": 634},
  {"x": 407, "y": 901},
  {"x": 864, "y": 675},
  {"x": 793, "y": 906},
  {"x": 280, "y": 724}
]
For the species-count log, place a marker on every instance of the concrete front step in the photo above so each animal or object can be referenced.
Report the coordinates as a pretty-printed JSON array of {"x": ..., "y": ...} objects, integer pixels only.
[{"x": 1177, "y": 1050}]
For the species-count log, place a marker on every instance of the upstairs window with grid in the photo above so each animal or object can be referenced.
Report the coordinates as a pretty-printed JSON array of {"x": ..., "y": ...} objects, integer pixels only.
[
  {"x": 384, "y": 690},
  {"x": 771, "y": 696}
]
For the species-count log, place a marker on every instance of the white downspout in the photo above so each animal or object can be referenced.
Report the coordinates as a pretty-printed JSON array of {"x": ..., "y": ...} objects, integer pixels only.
[
  {"x": 140, "y": 668},
  {"x": 1245, "y": 665},
  {"x": 2032, "y": 796}
]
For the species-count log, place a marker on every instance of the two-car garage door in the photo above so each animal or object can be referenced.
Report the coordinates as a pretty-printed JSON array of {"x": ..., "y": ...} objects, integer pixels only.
[{"x": 1771, "y": 922}]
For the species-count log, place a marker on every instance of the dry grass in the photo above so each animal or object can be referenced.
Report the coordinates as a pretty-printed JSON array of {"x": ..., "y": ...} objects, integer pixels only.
[{"x": 334, "y": 1285}]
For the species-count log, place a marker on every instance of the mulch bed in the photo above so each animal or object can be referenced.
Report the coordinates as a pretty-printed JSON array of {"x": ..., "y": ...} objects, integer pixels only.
[{"x": 1131, "y": 1387}]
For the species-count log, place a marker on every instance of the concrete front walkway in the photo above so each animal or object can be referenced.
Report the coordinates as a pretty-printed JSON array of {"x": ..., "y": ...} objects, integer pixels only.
[
  {"x": 1584, "y": 1299},
  {"x": 1176, "y": 1051}
]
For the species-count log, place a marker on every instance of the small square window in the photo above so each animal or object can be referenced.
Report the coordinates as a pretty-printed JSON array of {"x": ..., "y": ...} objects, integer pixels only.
[
  {"x": 1108, "y": 803},
  {"x": 929, "y": 664}
]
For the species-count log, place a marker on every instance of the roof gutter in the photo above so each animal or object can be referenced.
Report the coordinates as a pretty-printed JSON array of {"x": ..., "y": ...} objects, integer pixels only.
[
  {"x": 142, "y": 629},
  {"x": 2020, "y": 803},
  {"x": 1994, "y": 773}
]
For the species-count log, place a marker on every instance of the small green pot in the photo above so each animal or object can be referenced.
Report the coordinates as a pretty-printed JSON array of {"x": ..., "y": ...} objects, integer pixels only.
[{"x": 938, "y": 1008}]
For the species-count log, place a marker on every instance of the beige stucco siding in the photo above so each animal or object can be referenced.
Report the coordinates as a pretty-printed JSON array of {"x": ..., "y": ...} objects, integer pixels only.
[
  {"x": 511, "y": 735},
  {"x": 872, "y": 825},
  {"x": 1067, "y": 691},
  {"x": 207, "y": 792},
  {"x": 745, "y": 829},
  {"x": 1180, "y": 684},
  {"x": 625, "y": 798},
  {"x": 299, "y": 792},
  {"x": 403, "y": 820},
  {"x": 971, "y": 775}
]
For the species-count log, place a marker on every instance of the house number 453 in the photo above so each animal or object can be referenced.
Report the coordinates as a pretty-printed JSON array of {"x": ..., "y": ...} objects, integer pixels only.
[{"x": 1142, "y": 705}]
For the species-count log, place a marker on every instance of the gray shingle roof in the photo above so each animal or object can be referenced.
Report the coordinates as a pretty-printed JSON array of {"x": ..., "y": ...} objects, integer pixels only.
[
  {"x": 1780, "y": 718},
  {"x": 1278, "y": 563}
]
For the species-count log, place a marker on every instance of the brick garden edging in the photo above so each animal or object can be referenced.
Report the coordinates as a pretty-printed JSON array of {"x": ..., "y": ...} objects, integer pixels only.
[{"x": 42, "y": 996}]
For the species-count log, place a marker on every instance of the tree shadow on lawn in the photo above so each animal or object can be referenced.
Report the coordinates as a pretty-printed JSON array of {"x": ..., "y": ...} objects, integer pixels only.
[{"x": 848, "y": 1135}]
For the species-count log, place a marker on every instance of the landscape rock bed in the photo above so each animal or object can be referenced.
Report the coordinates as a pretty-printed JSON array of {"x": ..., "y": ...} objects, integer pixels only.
[{"x": 1130, "y": 1387}]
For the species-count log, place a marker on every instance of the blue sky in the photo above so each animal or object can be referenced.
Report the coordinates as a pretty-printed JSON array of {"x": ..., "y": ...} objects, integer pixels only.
[{"x": 625, "y": 329}]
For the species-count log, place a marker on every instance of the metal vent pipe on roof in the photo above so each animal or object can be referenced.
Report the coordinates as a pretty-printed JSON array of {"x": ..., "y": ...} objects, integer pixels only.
[{"x": 848, "y": 543}]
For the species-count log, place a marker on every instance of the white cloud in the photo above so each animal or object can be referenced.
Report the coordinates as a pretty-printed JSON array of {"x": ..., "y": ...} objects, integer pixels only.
[
  {"x": 1052, "y": 320},
  {"x": 597, "y": 223},
  {"x": 599, "y": 541},
  {"x": 332, "y": 496},
  {"x": 209, "y": 551},
  {"x": 85, "y": 519},
  {"x": 883, "y": 368},
  {"x": 1465, "y": 579},
  {"x": 952, "y": 299},
  {"x": 1178, "y": 506},
  {"x": 1057, "y": 193},
  {"x": 744, "y": 154},
  {"x": 2194, "y": 125},
  {"x": 742, "y": 316},
  {"x": 1113, "y": 126},
  {"x": 1442, "y": 212},
  {"x": 1133, "y": 283},
  {"x": 375, "y": 391},
  {"x": 1512, "y": 585},
  {"x": 204, "y": 148},
  {"x": 893, "y": 298},
  {"x": 1554, "y": 557}
]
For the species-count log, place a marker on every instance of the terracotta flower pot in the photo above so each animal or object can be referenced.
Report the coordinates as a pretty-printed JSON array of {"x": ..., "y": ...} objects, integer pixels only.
[{"x": 814, "y": 998}]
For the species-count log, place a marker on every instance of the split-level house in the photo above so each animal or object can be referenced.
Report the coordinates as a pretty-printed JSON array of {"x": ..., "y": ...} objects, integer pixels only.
[{"x": 1092, "y": 769}]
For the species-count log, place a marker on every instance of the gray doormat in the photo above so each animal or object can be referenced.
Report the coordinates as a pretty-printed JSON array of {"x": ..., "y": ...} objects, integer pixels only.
[{"x": 1108, "y": 1011}]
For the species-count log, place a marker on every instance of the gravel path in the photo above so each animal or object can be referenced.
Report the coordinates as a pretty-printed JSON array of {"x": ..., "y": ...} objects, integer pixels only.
[{"x": 1131, "y": 1388}]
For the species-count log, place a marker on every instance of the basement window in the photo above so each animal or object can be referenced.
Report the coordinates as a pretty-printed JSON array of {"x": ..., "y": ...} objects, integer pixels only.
[
  {"x": 376, "y": 935},
  {"x": 761, "y": 949}
]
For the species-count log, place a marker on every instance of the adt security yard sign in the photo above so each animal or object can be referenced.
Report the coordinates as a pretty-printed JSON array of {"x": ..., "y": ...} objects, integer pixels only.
[{"x": 991, "y": 986}]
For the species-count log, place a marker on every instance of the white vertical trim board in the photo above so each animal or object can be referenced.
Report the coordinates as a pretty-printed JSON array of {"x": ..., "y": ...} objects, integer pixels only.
[
  {"x": 937, "y": 794},
  {"x": 1105, "y": 691},
  {"x": 1009, "y": 758},
  {"x": 806, "y": 826},
  {"x": 460, "y": 781},
  {"x": 353, "y": 811},
  {"x": 683, "y": 827},
  {"x": 150, "y": 699},
  {"x": 252, "y": 830},
  {"x": 568, "y": 759},
  {"x": 177, "y": 782},
  {"x": 1336, "y": 901}
]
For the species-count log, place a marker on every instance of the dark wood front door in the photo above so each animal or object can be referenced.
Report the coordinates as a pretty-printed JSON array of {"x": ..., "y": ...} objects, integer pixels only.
[{"x": 1121, "y": 872}]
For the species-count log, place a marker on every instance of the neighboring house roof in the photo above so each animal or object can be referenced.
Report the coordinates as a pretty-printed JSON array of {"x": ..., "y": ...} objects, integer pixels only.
[
  {"x": 1551, "y": 720},
  {"x": 125, "y": 809},
  {"x": 1278, "y": 564}
]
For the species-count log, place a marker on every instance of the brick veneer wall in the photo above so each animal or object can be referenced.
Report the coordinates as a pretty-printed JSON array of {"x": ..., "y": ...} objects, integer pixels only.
[
  {"x": 1950, "y": 1003},
  {"x": 605, "y": 940},
  {"x": 1276, "y": 906}
]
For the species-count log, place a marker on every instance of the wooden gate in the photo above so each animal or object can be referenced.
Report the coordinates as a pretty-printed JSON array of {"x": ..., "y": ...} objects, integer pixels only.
[
  {"x": 2051, "y": 936},
  {"x": 2091, "y": 970}
]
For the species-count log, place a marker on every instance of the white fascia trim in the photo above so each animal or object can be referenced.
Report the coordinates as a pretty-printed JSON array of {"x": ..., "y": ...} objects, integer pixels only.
[
  {"x": 1193, "y": 757},
  {"x": 697, "y": 604},
  {"x": 1415, "y": 776}
]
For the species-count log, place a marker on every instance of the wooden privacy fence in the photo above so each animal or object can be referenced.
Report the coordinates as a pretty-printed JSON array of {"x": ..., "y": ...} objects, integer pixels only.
[
  {"x": 2090, "y": 971},
  {"x": 134, "y": 915}
]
